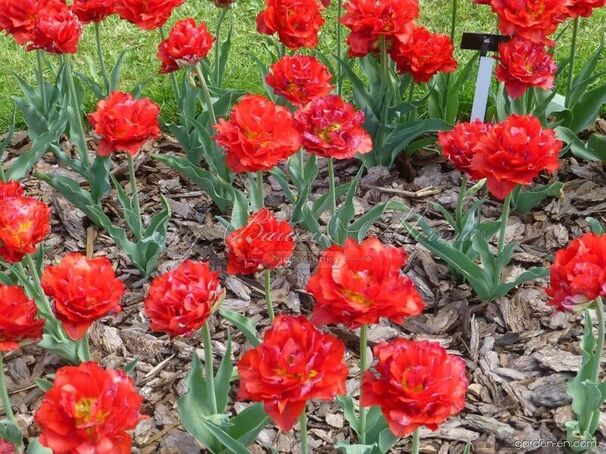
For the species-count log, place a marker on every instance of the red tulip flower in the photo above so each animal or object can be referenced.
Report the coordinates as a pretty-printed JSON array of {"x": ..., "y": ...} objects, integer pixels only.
[
  {"x": 294, "y": 363},
  {"x": 187, "y": 44},
  {"x": 458, "y": 144},
  {"x": 93, "y": 10},
  {"x": 24, "y": 223},
  {"x": 524, "y": 64},
  {"x": 18, "y": 318},
  {"x": 584, "y": 8},
  {"x": 11, "y": 188},
  {"x": 83, "y": 290},
  {"x": 180, "y": 301},
  {"x": 148, "y": 14},
  {"x": 533, "y": 20},
  {"x": 416, "y": 384},
  {"x": 423, "y": 54},
  {"x": 299, "y": 78},
  {"x": 7, "y": 448},
  {"x": 515, "y": 152},
  {"x": 372, "y": 20},
  {"x": 89, "y": 409},
  {"x": 258, "y": 135},
  {"x": 18, "y": 17},
  {"x": 125, "y": 123},
  {"x": 332, "y": 128},
  {"x": 578, "y": 274},
  {"x": 358, "y": 283},
  {"x": 57, "y": 29},
  {"x": 297, "y": 22},
  {"x": 264, "y": 243}
]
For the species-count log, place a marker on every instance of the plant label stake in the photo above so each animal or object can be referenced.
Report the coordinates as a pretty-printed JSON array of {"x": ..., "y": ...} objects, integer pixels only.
[{"x": 484, "y": 43}]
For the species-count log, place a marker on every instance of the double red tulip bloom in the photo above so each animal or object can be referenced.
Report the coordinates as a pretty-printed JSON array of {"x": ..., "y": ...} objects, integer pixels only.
[
  {"x": 56, "y": 30},
  {"x": 148, "y": 14},
  {"x": 372, "y": 20},
  {"x": 524, "y": 64},
  {"x": 584, "y": 8},
  {"x": 416, "y": 384},
  {"x": 299, "y": 78},
  {"x": 18, "y": 318},
  {"x": 578, "y": 273},
  {"x": 294, "y": 363},
  {"x": 17, "y": 18},
  {"x": 7, "y": 448},
  {"x": 358, "y": 283},
  {"x": 264, "y": 243},
  {"x": 83, "y": 290},
  {"x": 423, "y": 54},
  {"x": 297, "y": 22},
  {"x": 515, "y": 152},
  {"x": 125, "y": 123},
  {"x": 11, "y": 188},
  {"x": 180, "y": 301},
  {"x": 458, "y": 144},
  {"x": 258, "y": 135},
  {"x": 332, "y": 128},
  {"x": 187, "y": 44},
  {"x": 93, "y": 10},
  {"x": 89, "y": 409}
]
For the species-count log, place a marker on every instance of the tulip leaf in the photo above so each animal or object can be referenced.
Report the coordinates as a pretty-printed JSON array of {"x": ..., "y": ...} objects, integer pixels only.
[
  {"x": 596, "y": 226},
  {"x": 246, "y": 426},
  {"x": 36, "y": 448},
  {"x": 586, "y": 110},
  {"x": 43, "y": 384},
  {"x": 66, "y": 349},
  {"x": 232, "y": 445},
  {"x": 223, "y": 376},
  {"x": 346, "y": 402},
  {"x": 525, "y": 200},
  {"x": 346, "y": 448},
  {"x": 244, "y": 324},
  {"x": 11, "y": 433}
]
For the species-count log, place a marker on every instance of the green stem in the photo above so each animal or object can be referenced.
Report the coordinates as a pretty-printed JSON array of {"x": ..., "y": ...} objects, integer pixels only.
[
  {"x": 339, "y": 46},
  {"x": 33, "y": 271},
  {"x": 599, "y": 348},
  {"x": 208, "y": 364},
  {"x": 6, "y": 402},
  {"x": 267, "y": 287},
  {"x": 218, "y": 47},
  {"x": 260, "y": 189},
  {"x": 74, "y": 100},
  {"x": 173, "y": 76},
  {"x": 206, "y": 95},
  {"x": 85, "y": 348},
  {"x": 453, "y": 22},
  {"x": 461, "y": 202},
  {"x": 304, "y": 441},
  {"x": 135, "y": 195},
  {"x": 363, "y": 367},
  {"x": 504, "y": 219},
  {"x": 416, "y": 441},
  {"x": 573, "y": 55},
  {"x": 331, "y": 184},
  {"x": 101, "y": 58},
  {"x": 40, "y": 77}
]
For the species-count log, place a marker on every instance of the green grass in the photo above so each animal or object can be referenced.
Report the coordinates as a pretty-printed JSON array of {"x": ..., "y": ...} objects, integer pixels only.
[{"x": 242, "y": 73}]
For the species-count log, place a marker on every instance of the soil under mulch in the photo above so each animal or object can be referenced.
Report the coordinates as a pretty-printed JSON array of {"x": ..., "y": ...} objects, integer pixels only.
[{"x": 519, "y": 353}]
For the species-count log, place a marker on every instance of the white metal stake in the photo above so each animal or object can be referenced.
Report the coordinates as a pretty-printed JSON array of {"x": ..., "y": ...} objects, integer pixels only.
[{"x": 480, "y": 99}]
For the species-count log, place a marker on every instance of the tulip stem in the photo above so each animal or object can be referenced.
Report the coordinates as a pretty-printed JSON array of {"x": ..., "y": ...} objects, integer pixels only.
[
  {"x": 416, "y": 441},
  {"x": 461, "y": 203},
  {"x": 267, "y": 287},
  {"x": 206, "y": 95},
  {"x": 75, "y": 106},
  {"x": 304, "y": 441},
  {"x": 208, "y": 364},
  {"x": 504, "y": 219},
  {"x": 573, "y": 55},
  {"x": 453, "y": 22},
  {"x": 136, "y": 204},
  {"x": 260, "y": 190},
  {"x": 599, "y": 304},
  {"x": 173, "y": 76},
  {"x": 218, "y": 47},
  {"x": 339, "y": 47},
  {"x": 331, "y": 183},
  {"x": 40, "y": 77},
  {"x": 101, "y": 58},
  {"x": 85, "y": 348},
  {"x": 363, "y": 367},
  {"x": 6, "y": 402},
  {"x": 33, "y": 270}
]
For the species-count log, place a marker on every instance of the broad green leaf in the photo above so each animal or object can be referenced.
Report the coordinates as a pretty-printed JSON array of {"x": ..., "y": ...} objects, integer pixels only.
[
  {"x": 244, "y": 324},
  {"x": 223, "y": 377},
  {"x": 36, "y": 448},
  {"x": 527, "y": 199},
  {"x": 246, "y": 426}
]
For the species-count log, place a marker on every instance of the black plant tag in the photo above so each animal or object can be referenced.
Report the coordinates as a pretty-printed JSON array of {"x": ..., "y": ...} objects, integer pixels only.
[{"x": 484, "y": 42}]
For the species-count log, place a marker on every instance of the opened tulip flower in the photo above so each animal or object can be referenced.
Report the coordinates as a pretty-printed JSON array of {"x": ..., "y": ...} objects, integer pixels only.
[
  {"x": 416, "y": 384},
  {"x": 93, "y": 10},
  {"x": 11, "y": 188},
  {"x": 370, "y": 21},
  {"x": 7, "y": 448},
  {"x": 359, "y": 283},
  {"x": 294, "y": 364},
  {"x": 424, "y": 54},
  {"x": 57, "y": 30},
  {"x": 187, "y": 44},
  {"x": 83, "y": 290},
  {"x": 24, "y": 223},
  {"x": 124, "y": 123},
  {"x": 524, "y": 64},
  {"x": 296, "y": 22},
  {"x": 584, "y": 8},
  {"x": 19, "y": 322},
  {"x": 578, "y": 274},
  {"x": 457, "y": 145},
  {"x": 180, "y": 301},
  {"x": 299, "y": 78},
  {"x": 148, "y": 15},
  {"x": 533, "y": 20},
  {"x": 515, "y": 152},
  {"x": 17, "y": 18},
  {"x": 258, "y": 135},
  {"x": 89, "y": 409}
]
